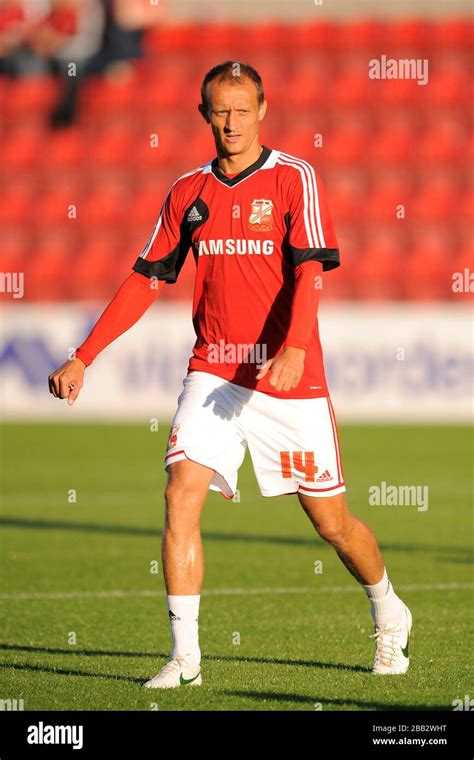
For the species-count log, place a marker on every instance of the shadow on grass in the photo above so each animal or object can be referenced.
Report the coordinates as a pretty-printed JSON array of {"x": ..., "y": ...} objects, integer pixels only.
[
  {"x": 69, "y": 672},
  {"x": 208, "y": 658},
  {"x": 301, "y": 699},
  {"x": 304, "y": 699},
  {"x": 457, "y": 554}
]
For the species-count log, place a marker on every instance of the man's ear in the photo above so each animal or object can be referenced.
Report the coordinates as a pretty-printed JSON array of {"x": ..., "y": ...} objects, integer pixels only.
[
  {"x": 203, "y": 111},
  {"x": 262, "y": 110}
]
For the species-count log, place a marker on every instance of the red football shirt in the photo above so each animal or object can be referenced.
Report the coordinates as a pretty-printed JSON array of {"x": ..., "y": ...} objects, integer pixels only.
[{"x": 247, "y": 233}]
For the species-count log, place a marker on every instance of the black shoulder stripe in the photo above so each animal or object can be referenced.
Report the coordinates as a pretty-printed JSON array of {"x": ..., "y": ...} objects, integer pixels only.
[
  {"x": 163, "y": 269},
  {"x": 328, "y": 256}
]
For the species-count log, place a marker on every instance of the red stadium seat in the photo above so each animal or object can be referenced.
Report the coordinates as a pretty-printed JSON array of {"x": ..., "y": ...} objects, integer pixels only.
[
  {"x": 463, "y": 268},
  {"x": 466, "y": 205},
  {"x": 469, "y": 148},
  {"x": 16, "y": 202},
  {"x": 22, "y": 148},
  {"x": 351, "y": 88},
  {"x": 436, "y": 200},
  {"x": 362, "y": 35},
  {"x": 65, "y": 149},
  {"x": 307, "y": 84},
  {"x": 455, "y": 33},
  {"x": 449, "y": 82},
  {"x": 14, "y": 249},
  {"x": 56, "y": 206},
  {"x": 401, "y": 92},
  {"x": 393, "y": 145},
  {"x": 14, "y": 253},
  {"x": 319, "y": 36},
  {"x": 98, "y": 271},
  {"x": 167, "y": 87},
  {"x": 428, "y": 266},
  {"x": 165, "y": 39},
  {"x": 347, "y": 143},
  {"x": 379, "y": 269},
  {"x": 104, "y": 204},
  {"x": 428, "y": 275},
  {"x": 264, "y": 37},
  {"x": 341, "y": 282},
  {"x": 443, "y": 142},
  {"x": 200, "y": 147},
  {"x": 390, "y": 189},
  {"x": 12, "y": 265},
  {"x": 113, "y": 146},
  {"x": 347, "y": 197},
  {"x": 31, "y": 95},
  {"x": 299, "y": 140},
  {"x": 145, "y": 205},
  {"x": 408, "y": 35},
  {"x": 219, "y": 38},
  {"x": 154, "y": 148},
  {"x": 107, "y": 95},
  {"x": 47, "y": 271},
  {"x": 304, "y": 91}
]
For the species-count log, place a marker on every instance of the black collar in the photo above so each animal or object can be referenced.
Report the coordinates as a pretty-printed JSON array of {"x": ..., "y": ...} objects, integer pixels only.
[{"x": 231, "y": 181}]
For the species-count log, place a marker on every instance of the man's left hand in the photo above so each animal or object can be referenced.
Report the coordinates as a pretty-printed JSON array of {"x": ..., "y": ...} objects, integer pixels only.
[{"x": 286, "y": 369}]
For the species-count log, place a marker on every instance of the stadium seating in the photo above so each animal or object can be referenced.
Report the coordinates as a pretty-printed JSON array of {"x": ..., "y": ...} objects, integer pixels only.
[{"x": 386, "y": 143}]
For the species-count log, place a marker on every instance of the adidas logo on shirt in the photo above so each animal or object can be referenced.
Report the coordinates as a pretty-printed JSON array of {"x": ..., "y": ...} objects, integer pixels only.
[
  {"x": 194, "y": 215},
  {"x": 325, "y": 477}
]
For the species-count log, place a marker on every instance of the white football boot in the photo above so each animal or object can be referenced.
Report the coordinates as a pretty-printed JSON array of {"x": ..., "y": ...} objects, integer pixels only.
[
  {"x": 178, "y": 671},
  {"x": 391, "y": 646}
]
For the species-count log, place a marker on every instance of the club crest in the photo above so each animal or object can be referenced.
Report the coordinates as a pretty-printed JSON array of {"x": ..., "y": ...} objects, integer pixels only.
[{"x": 261, "y": 219}]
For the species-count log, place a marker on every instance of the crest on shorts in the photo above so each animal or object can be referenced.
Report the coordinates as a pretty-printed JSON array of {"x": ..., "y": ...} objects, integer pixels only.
[
  {"x": 173, "y": 437},
  {"x": 261, "y": 218}
]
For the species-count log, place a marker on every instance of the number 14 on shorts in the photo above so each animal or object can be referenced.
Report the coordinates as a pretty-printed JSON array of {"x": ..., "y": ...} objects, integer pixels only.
[{"x": 298, "y": 461}]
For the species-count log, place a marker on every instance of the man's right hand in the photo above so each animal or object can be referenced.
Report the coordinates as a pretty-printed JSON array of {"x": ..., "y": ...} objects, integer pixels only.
[{"x": 67, "y": 381}]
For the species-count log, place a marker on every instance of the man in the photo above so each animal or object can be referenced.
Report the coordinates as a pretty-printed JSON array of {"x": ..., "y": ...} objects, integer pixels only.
[{"x": 259, "y": 228}]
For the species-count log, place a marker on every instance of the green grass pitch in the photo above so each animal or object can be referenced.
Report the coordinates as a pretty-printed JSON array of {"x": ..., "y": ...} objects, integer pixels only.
[{"x": 84, "y": 620}]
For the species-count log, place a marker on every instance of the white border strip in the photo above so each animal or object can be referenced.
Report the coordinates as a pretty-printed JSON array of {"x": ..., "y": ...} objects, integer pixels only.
[{"x": 229, "y": 591}]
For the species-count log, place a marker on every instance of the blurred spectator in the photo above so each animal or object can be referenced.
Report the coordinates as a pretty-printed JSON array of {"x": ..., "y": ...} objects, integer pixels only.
[
  {"x": 109, "y": 39},
  {"x": 70, "y": 32},
  {"x": 67, "y": 38},
  {"x": 126, "y": 21},
  {"x": 72, "y": 39},
  {"x": 17, "y": 19}
]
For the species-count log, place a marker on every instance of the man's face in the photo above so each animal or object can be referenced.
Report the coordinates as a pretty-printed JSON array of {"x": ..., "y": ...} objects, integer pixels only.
[{"x": 234, "y": 115}]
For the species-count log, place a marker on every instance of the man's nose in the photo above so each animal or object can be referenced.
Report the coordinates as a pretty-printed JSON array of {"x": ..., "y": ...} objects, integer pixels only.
[{"x": 230, "y": 121}]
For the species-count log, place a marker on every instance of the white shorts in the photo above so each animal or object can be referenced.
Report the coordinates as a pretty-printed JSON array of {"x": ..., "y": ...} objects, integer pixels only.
[{"x": 293, "y": 442}]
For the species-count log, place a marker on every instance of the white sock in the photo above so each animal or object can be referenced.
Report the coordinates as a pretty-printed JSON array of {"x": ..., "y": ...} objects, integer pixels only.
[
  {"x": 386, "y": 606},
  {"x": 184, "y": 617}
]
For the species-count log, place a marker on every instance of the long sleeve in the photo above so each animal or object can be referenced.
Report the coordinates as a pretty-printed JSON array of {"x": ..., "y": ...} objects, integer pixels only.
[
  {"x": 133, "y": 298},
  {"x": 305, "y": 304}
]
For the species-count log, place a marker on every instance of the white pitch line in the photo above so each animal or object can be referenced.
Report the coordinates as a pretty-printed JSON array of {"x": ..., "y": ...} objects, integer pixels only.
[{"x": 229, "y": 591}]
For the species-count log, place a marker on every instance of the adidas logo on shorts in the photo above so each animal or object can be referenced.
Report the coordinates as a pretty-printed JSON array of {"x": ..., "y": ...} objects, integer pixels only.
[
  {"x": 194, "y": 215},
  {"x": 325, "y": 477}
]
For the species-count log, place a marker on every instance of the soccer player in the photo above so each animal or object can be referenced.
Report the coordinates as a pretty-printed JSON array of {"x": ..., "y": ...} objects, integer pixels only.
[{"x": 257, "y": 222}]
